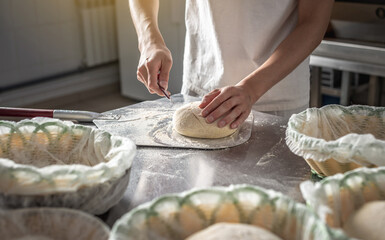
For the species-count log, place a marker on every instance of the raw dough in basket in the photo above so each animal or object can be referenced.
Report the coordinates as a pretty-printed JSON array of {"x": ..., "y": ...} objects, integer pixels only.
[
  {"x": 188, "y": 121},
  {"x": 227, "y": 231},
  {"x": 367, "y": 222}
]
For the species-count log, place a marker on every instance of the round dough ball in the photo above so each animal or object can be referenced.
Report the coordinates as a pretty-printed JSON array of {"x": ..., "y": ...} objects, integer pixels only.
[
  {"x": 367, "y": 222},
  {"x": 230, "y": 231},
  {"x": 188, "y": 121}
]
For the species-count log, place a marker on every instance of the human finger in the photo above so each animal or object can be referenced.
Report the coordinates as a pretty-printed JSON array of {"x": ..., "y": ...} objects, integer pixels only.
[
  {"x": 153, "y": 69},
  {"x": 240, "y": 120},
  {"x": 222, "y": 108},
  {"x": 141, "y": 78},
  {"x": 165, "y": 73},
  {"x": 208, "y": 98},
  {"x": 142, "y": 74},
  {"x": 145, "y": 82},
  {"x": 232, "y": 115}
]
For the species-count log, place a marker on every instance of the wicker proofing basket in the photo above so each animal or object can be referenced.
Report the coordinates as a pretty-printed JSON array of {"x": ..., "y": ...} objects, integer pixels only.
[
  {"x": 51, "y": 223},
  {"x": 178, "y": 216},
  {"x": 336, "y": 197},
  {"x": 52, "y": 163},
  {"x": 335, "y": 139}
]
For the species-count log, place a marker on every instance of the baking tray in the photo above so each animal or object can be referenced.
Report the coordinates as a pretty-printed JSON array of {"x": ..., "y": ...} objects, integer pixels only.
[{"x": 149, "y": 123}]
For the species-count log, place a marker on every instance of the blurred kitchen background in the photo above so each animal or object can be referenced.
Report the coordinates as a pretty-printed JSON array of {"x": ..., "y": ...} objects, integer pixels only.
[{"x": 82, "y": 54}]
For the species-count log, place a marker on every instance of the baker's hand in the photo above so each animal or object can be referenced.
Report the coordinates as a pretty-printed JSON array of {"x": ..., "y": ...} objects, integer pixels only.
[
  {"x": 153, "y": 61},
  {"x": 232, "y": 104}
]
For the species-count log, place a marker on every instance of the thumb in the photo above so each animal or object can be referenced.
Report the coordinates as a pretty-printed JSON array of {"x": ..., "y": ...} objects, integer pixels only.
[{"x": 164, "y": 74}]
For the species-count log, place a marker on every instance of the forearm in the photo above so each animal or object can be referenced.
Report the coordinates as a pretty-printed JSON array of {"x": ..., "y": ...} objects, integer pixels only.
[
  {"x": 298, "y": 45},
  {"x": 144, "y": 14}
]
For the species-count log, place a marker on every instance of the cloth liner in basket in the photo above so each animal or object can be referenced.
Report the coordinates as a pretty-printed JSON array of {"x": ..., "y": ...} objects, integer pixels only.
[
  {"x": 177, "y": 216},
  {"x": 51, "y": 224},
  {"x": 53, "y": 163},
  {"x": 336, "y": 197},
  {"x": 335, "y": 139}
]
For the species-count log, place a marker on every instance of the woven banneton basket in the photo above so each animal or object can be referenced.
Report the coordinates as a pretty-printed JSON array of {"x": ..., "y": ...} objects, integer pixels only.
[
  {"x": 335, "y": 139},
  {"x": 337, "y": 197},
  {"x": 53, "y": 163},
  {"x": 178, "y": 216},
  {"x": 51, "y": 224}
]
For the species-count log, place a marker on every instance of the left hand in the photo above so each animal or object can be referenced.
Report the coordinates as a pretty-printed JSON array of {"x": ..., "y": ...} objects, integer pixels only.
[{"x": 233, "y": 104}]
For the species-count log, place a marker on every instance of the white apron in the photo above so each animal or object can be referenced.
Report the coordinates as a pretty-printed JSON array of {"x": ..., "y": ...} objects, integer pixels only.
[{"x": 226, "y": 40}]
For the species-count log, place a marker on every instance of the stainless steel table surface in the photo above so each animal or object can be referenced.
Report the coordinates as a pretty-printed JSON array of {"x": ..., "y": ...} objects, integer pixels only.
[{"x": 264, "y": 160}]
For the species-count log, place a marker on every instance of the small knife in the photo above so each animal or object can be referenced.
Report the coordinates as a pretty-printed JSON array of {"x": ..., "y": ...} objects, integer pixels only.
[
  {"x": 162, "y": 89},
  {"x": 164, "y": 92}
]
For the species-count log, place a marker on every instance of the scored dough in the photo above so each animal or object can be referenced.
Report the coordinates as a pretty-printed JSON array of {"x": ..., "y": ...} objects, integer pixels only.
[
  {"x": 227, "y": 231},
  {"x": 188, "y": 121},
  {"x": 367, "y": 222}
]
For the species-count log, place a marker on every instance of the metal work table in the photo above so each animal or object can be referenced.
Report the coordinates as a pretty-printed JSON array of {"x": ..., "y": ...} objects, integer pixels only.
[
  {"x": 349, "y": 57},
  {"x": 264, "y": 160}
]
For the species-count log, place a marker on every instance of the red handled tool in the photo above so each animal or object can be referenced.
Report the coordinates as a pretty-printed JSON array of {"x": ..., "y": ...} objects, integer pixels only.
[{"x": 81, "y": 116}]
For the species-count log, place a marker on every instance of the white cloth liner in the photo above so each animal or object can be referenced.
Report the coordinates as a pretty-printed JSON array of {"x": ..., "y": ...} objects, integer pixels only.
[
  {"x": 50, "y": 224},
  {"x": 357, "y": 187},
  {"x": 345, "y": 134},
  {"x": 62, "y": 165}
]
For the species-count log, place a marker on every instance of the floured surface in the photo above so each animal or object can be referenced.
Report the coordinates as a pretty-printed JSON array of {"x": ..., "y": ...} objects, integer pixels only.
[
  {"x": 263, "y": 160},
  {"x": 150, "y": 124}
]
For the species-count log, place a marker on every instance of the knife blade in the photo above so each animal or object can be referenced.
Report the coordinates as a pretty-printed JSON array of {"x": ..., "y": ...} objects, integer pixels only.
[{"x": 162, "y": 89}]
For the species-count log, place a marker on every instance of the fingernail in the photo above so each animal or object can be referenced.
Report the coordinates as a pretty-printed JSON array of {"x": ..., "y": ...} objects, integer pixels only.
[
  {"x": 163, "y": 84},
  {"x": 204, "y": 113},
  {"x": 210, "y": 119},
  {"x": 234, "y": 125},
  {"x": 222, "y": 124}
]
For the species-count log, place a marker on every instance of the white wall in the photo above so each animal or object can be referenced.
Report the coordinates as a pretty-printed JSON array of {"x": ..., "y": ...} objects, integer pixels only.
[{"x": 38, "y": 38}]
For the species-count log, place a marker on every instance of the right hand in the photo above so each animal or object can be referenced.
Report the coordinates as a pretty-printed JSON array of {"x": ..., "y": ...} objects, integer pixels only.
[{"x": 155, "y": 60}]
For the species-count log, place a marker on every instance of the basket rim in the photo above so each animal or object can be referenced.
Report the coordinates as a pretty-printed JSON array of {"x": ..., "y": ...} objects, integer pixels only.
[
  {"x": 316, "y": 194},
  {"x": 270, "y": 196},
  {"x": 113, "y": 168},
  {"x": 309, "y": 146}
]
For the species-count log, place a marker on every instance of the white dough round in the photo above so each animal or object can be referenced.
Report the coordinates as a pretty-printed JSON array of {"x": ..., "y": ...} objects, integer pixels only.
[
  {"x": 230, "y": 231},
  {"x": 188, "y": 121},
  {"x": 367, "y": 222}
]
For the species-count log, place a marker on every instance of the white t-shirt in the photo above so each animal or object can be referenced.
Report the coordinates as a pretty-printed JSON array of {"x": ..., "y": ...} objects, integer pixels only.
[{"x": 226, "y": 40}]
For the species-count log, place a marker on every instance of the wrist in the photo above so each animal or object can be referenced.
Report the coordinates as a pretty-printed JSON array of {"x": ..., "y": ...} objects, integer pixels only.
[
  {"x": 259, "y": 82},
  {"x": 251, "y": 88},
  {"x": 151, "y": 40}
]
